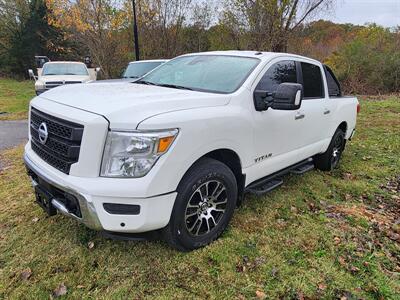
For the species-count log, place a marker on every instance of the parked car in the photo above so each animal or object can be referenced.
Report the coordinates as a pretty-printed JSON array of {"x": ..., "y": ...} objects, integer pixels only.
[
  {"x": 54, "y": 74},
  {"x": 176, "y": 151},
  {"x": 137, "y": 69}
]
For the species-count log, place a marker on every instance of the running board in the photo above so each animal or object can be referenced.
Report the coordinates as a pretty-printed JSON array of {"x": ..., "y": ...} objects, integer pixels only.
[
  {"x": 265, "y": 187},
  {"x": 303, "y": 169},
  {"x": 271, "y": 182}
]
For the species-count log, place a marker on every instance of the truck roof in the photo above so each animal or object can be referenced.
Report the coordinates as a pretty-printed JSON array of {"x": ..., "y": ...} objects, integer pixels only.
[
  {"x": 255, "y": 54},
  {"x": 149, "y": 60},
  {"x": 65, "y": 62}
]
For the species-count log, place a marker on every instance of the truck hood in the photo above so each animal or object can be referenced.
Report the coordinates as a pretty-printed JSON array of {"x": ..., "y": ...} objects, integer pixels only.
[
  {"x": 126, "y": 104},
  {"x": 82, "y": 78}
]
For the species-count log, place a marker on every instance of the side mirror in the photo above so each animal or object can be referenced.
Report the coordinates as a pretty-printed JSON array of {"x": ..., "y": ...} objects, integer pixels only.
[
  {"x": 97, "y": 69},
  {"x": 31, "y": 74},
  {"x": 288, "y": 96},
  {"x": 262, "y": 100}
]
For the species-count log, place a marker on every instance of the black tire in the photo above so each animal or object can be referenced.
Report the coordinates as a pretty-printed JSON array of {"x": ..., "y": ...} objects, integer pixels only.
[
  {"x": 329, "y": 160},
  {"x": 197, "y": 202}
]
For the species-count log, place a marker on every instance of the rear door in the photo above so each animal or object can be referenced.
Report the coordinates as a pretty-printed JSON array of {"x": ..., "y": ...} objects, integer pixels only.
[{"x": 315, "y": 109}]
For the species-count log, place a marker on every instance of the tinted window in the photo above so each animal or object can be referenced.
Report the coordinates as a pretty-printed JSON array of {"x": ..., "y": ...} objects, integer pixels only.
[
  {"x": 283, "y": 71},
  {"x": 312, "y": 81},
  {"x": 333, "y": 84}
]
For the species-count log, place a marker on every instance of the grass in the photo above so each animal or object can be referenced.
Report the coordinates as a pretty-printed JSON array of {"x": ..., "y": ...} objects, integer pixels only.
[
  {"x": 321, "y": 235},
  {"x": 14, "y": 98}
]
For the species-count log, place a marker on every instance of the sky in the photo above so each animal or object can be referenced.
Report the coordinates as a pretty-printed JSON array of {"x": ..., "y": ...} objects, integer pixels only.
[{"x": 382, "y": 12}]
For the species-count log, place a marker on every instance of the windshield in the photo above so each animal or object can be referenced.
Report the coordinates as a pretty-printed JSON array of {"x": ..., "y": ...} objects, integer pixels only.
[
  {"x": 138, "y": 69},
  {"x": 64, "y": 69},
  {"x": 207, "y": 73}
]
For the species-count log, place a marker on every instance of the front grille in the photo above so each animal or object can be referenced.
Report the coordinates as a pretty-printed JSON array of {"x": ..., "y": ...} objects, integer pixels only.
[
  {"x": 62, "y": 146},
  {"x": 53, "y": 84}
]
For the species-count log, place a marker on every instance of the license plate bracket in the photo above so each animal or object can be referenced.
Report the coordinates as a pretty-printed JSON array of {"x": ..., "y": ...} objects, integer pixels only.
[{"x": 43, "y": 198}]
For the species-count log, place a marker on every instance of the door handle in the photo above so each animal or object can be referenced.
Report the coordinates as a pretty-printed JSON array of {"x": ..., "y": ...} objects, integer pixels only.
[
  {"x": 299, "y": 116},
  {"x": 327, "y": 111}
]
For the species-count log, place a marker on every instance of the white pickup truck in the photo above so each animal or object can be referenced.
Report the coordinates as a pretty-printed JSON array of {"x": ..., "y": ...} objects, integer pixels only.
[
  {"x": 57, "y": 73},
  {"x": 175, "y": 152}
]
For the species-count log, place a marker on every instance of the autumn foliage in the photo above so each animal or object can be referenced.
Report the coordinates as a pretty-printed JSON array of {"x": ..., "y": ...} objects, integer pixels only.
[{"x": 365, "y": 58}]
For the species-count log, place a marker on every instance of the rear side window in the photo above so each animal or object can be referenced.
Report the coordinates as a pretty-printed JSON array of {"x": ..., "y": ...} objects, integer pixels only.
[
  {"x": 283, "y": 71},
  {"x": 312, "y": 81},
  {"x": 333, "y": 84}
]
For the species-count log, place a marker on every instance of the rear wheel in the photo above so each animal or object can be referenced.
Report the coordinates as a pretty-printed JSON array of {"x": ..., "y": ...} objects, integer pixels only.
[
  {"x": 204, "y": 205},
  {"x": 330, "y": 159}
]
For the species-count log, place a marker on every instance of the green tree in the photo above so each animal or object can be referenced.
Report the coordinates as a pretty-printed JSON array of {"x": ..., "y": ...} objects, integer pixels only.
[
  {"x": 25, "y": 32},
  {"x": 370, "y": 63}
]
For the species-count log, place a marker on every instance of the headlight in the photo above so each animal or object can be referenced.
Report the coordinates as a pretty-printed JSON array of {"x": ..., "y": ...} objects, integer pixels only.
[
  {"x": 133, "y": 154},
  {"x": 39, "y": 85}
]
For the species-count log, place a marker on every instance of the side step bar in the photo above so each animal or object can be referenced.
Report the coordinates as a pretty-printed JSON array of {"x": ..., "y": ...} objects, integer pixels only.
[
  {"x": 271, "y": 182},
  {"x": 303, "y": 168}
]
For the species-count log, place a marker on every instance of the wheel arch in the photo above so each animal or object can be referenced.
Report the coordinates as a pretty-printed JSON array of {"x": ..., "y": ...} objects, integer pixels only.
[
  {"x": 343, "y": 126},
  {"x": 232, "y": 160}
]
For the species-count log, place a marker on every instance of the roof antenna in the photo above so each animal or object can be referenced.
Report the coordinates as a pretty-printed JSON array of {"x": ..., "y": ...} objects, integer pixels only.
[{"x": 258, "y": 53}]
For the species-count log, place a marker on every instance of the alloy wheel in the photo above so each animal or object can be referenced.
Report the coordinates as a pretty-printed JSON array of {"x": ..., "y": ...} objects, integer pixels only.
[{"x": 206, "y": 207}]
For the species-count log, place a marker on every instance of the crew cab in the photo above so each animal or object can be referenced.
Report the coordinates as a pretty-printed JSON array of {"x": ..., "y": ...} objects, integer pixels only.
[
  {"x": 176, "y": 151},
  {"x": 54, "y": 74}
]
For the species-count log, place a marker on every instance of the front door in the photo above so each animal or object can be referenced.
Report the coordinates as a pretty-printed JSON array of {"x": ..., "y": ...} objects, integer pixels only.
[{"x": 277, "y": 133}]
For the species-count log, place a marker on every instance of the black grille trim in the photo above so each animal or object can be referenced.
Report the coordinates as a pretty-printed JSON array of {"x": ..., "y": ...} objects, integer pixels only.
[
  {"x": 62, "y": 147},
  {"x": 53, "y": 84}
]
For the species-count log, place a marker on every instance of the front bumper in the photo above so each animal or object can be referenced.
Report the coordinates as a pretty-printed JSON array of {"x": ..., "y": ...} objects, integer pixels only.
[{"x": 154, "y": 211}]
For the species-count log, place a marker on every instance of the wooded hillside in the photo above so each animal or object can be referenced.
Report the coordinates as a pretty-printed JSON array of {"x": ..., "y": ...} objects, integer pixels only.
[{"x": 365, "y": 58}]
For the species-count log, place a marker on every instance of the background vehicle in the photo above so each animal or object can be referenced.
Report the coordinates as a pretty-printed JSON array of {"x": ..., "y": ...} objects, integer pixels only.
[
  {"x": 137, "y": 69},
  {"x": 178, "y": 149},
  {"x": 54, "y": 74}
]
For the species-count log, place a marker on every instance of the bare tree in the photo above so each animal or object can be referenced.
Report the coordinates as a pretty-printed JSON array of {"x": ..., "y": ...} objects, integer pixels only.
[{"x": 270, "y": 22}]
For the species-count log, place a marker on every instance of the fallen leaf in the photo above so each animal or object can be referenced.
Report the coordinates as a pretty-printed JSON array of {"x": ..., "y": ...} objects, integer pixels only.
[
  {"x": 61, "y": 290},
  {"x": 26, "y": 274},
  {"x": 90, "y": 245},
  {"x": 274, "y": 272},
  {"x": 240, "y": 268},
  {"x": 336, "y": 240},
  {"x": 293, "y": 209},
  {"x": 322, "y": 286},
  {"x": 35, "y": 219},
  {"x": 342, "y": 261},
  {"x": 260, "y": 294},
  {"x": 354, "y": 269},
  {"x": 348, "y": 176},
  {"x": 300, "y": 296},
  {"x": 80, "y": 286},
  {"x": 394, "y": 236}
]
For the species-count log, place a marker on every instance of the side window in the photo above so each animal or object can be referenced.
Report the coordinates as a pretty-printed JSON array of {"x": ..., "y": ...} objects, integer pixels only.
[
  {"x": 312, "y": 81},
  {"x": 283, "y": 71},
  {"x": 333, "y": 84}
]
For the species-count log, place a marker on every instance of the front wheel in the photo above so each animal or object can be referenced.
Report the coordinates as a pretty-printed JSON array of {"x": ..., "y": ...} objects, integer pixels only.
[
  {"x": 329, "y": 160},
  {"x": 204, "y": 205}
]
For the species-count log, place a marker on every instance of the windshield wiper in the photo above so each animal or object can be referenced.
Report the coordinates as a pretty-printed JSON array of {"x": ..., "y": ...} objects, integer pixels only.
[
  {"x": 175, "y": 86},
  {"x": 144, "y": 82},
  {"x": 167, "y": 85}
]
